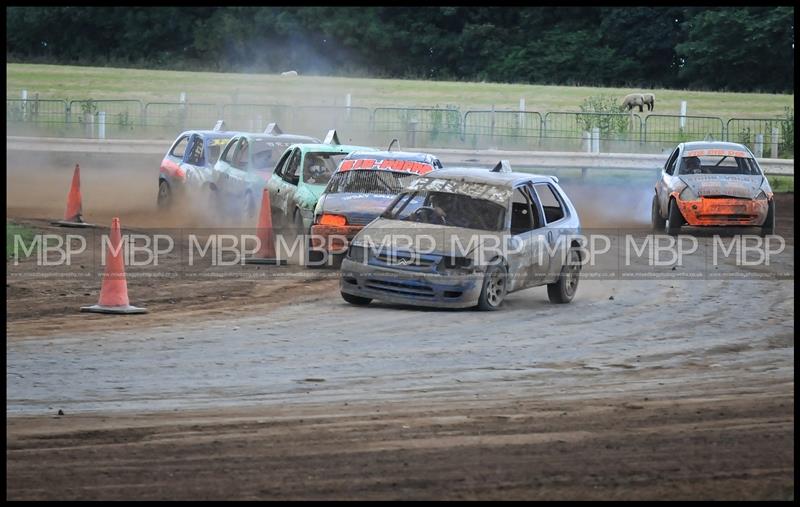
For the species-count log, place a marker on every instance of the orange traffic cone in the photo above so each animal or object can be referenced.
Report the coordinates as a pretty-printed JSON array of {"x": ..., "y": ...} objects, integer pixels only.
[
  {"x": 72, "y": 216},
  {"x": 114, "y": 291},
  {"x": 265, "y": 254}
]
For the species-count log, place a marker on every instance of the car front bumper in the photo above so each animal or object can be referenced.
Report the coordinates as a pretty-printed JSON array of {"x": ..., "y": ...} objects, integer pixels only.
[
  {"x": 410, "y": 287},
  {"x": 716, "y": 211}
]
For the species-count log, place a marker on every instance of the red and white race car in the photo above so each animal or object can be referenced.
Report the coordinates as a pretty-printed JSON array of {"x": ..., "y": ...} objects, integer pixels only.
[{"x": 360, "y": 189}]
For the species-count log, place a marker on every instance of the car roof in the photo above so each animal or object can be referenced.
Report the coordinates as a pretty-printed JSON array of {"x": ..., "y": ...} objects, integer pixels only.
[
  {"x": 211, "y": 134},
  {"x": 714, "y": 145},
  {"x": 286, "y": 138},
  {"x": 485, "y": 175},
  {"x": 392, "y": 155},
  {"x": 332, "y": 148}
]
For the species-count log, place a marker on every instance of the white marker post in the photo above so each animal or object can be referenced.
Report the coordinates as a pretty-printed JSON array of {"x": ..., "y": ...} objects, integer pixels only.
[
  {"x": 587, "y": 141},
  {"x": 596, "y": 140},
  {"x": 774, "y": 143},
  {"x": 683, "y": 114},
  {"x": 759, "y": 147},
  {"x": 521, "y": 123},
  {"x": 183, "y": 98},
  {"x": 347, "y": 103},
  {"x": 24, "y": 104},
  {"x": 101, "y": 125}
]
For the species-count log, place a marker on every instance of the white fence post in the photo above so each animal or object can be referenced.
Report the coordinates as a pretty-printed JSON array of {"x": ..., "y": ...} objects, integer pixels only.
[
  {"x": 101, "y": 125},
  {"x": 587, "y": 141},
  {"x": 759, "y": 147},
  {"x": 347, "y": 101},
  {"x": 183, "y": 98},
  {"x": 596, "y": 140},
  {"x": 24, "y": 104},
  {"x": 521, "y": 123},
  {"x": 683, "y": 114},
  {"x": 774, "y": 143}
]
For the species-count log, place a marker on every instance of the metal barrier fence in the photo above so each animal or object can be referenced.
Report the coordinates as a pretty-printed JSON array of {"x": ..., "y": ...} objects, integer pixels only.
[
  {"x": 777, "y": 134},
  {"x": 568, "y": 128},
  {"x": 431, "y": 127},
  {"x": 352, "y": 124},
  {"x": 675, "y": 129},
  {"x": 502, "y": 129},
  {"x": 256, "y": 117},
  {"x": 414, "y": 127}
]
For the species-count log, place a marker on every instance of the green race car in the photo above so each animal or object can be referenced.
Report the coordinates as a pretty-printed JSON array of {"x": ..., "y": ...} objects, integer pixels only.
[{"x": 300, "y": 177}]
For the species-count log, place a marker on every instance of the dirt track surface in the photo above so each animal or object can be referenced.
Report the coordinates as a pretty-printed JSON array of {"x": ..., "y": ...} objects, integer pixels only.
[{"x": 277, "y": 389}]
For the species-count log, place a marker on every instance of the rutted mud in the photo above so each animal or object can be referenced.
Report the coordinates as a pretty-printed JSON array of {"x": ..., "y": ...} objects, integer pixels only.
[{"x": 274, "y": 388}]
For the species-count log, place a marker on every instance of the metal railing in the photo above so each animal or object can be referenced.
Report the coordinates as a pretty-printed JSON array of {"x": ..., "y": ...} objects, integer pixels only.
[{"x": 414, "y": 127}]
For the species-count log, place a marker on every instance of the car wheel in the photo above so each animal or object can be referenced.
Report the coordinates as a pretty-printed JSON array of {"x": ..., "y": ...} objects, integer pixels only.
[
  {"x": 356, "y": 300},
  {"x": 314, "y": 257},
  {"x": 655, "y": 216},
  {"x": 674, "y": 219},
  {"x": 564, "y": 289},
  {"x": 768, "y": 228},
  {"x": 164, "y": 200},
  {"x": 494, "y": 288}
]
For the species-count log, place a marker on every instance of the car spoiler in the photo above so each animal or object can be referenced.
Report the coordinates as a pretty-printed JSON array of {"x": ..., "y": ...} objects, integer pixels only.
[
  {"x": 273, "y": 129},
  {"x": 502, "y": 167},
  {"x": 331, "y": 137},
  {"x": 219, "y": 125}
]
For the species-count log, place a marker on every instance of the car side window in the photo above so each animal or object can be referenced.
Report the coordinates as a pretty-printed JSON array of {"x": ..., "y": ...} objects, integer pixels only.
[
  {"x": 553, "y": 210},
  {"x": 290, "y": 175},
  {"x": 230, "y": 150},
  {"x": 521, "y": 212},
  {"x": 281, "y": 165},
  {"x": 180, "y": 147},
  {"x": 241, "y": 158},
  {"x": 196, "y": 152},
  {"x": 671, "y": 163}
]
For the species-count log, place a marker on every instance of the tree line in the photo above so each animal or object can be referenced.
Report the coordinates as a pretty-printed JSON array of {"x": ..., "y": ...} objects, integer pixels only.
[{"x": 717, "y": 48}]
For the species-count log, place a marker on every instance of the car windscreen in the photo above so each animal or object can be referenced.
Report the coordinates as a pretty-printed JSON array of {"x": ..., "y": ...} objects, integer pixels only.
[
  {"x": 320, "y": 166},
  {"x": 369, "y": 181},
  {"x": 448, "y": 209},
  {"x": 718, "y": 164}
]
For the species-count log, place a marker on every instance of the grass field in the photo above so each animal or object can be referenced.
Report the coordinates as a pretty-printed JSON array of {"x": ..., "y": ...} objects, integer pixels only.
[
  {"x": 80, "y": 83},
  {"x": 13, "y": 230}
]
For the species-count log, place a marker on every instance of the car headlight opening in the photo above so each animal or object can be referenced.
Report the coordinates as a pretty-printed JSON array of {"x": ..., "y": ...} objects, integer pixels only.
[{"x": 687, "y": 194}]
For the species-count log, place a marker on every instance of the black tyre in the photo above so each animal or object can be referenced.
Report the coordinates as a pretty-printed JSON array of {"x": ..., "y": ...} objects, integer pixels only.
[
  {"x": 164, "y": 200},
  {"x": 356, "y": 300},
  {"x": 674, "y": 219},
  {"x": 769, "y": 224},
  {"x": 657, "y": 220},
  {"x": 563, "y": 290},
  {"x": 494, "y": 288}
]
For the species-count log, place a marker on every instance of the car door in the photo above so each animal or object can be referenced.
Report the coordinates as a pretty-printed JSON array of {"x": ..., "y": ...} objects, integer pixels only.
[
  {"x": 283, "y": 185},
  {"x": 237, "y": 174},
  {"x": 521, "y": 239},
  {"x": 194, "y": 161},
  {"x": 220, "y": 172},
  {"x": 290, "y": 182},
  {"x": 665, "y": 182},
  {"x": 555, "y": 213}
]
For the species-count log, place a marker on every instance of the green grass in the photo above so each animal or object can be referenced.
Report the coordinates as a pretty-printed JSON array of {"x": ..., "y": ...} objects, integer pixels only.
[
  {"x": 781, "y": 183},
  {"x": 80, "y": 83},
  {"x": 13, "y": 230}
]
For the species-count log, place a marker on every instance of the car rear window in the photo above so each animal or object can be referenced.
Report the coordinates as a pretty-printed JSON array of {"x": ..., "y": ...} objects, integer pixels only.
[
  {"x": 718, "y": 164},
  {"x": 369, "y": 182}
]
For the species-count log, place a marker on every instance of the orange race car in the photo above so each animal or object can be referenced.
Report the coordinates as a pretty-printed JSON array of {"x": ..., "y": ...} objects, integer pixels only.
[{"x": 712, "y": 184}]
